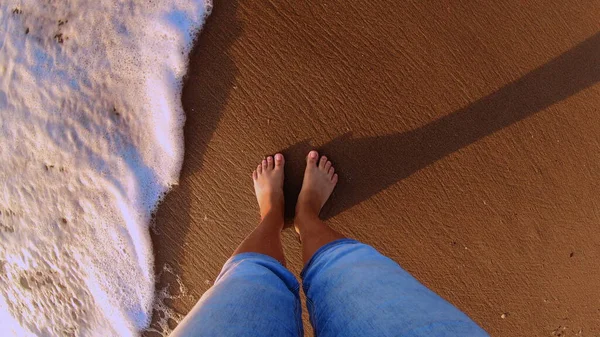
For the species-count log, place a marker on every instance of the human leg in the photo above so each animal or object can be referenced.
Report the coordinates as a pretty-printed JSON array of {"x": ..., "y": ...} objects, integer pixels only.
[
  {"x": 268, "y": 186},
  {"x": 353, "y": 290},
  {"x": 318, "y": 184},
  {"x": 254, "y": 295}
]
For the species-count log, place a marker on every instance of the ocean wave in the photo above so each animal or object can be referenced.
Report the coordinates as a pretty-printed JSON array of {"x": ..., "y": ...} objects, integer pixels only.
[{"x": 91, "y": 138}]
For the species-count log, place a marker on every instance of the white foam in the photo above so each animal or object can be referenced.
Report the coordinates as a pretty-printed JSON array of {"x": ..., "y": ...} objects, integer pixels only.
[
  {"x": 90, "y": 139},
  {"x": 166, "y": 318}
]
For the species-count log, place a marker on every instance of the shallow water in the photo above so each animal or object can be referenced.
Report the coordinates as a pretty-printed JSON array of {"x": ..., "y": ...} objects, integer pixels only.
[{"x": 90, "y": 139}]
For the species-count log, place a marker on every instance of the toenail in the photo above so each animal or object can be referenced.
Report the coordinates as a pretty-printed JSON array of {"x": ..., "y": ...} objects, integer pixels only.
[
  {"x": 313, "y": 154},
  {"x": 278, "y": 157}
]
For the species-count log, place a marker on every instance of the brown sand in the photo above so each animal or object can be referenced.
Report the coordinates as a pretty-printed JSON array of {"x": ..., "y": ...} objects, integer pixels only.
[{"x": 466, "y": 137}]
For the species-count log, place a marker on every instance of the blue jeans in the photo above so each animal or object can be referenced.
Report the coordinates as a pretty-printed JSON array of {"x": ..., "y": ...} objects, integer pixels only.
[{"x": 351, "y": 290}]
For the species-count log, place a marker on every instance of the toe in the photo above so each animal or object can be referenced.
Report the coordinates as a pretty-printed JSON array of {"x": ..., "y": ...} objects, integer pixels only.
[
  {"x": 269, "y": 162},
  {"x": 254, "y": 175},
  {"x": 259, "y": 169},
  {"x": 311, "y": 159},
  {"x": 322, "y": 162},
  {"x": 279, "y": 161},
  {"x": 327, "y": 166},
  {"x": 334, "y": 179},
  {"x": 331, "y": 171},
  {"x": 264, "y": 164}
]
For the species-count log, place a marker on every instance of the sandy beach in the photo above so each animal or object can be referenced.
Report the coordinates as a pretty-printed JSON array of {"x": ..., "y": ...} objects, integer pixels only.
[{"x": 466, "y": 138}]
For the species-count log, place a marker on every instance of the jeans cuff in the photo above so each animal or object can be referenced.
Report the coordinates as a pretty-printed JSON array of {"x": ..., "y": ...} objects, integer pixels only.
[{"x": 322, "y": 250}]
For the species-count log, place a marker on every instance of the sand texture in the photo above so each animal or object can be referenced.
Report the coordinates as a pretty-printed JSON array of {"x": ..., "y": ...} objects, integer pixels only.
[{"x": 466, "y": 137}]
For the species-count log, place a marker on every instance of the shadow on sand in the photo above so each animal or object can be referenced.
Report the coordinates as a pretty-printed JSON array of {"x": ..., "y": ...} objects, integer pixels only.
[
  {"x": 211, "y": 78},
  {"x": 397, "y": 156}
]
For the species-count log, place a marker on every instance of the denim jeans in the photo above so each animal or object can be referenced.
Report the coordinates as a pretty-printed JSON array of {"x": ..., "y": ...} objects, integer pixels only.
[{"x": 351, "y": 290}]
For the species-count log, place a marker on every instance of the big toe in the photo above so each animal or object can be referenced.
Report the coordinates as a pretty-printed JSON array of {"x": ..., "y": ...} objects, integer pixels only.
[
  {"x": 311, "y": 159},
  {"x": 279, "y": 160}
]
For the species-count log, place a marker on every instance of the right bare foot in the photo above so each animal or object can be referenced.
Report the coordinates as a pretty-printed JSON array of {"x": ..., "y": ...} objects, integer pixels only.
[{"x": 319, "y": 180}]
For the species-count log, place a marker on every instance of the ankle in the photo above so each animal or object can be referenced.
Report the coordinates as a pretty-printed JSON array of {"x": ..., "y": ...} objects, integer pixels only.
[
  {"x": 306, "y": 213},
  {"x": 274, "y": 205},
  {"x": 272, "y": 215},
  {"x": 307, "y": 221}
]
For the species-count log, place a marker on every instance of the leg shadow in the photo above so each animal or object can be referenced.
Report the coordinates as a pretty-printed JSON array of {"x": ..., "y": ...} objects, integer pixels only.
[{"x": 400, "y": 155}]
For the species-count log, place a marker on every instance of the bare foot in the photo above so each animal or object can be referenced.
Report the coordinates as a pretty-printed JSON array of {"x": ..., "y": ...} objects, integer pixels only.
[
  {"x": 319, "y": 180},
  {"x": 268, "y": 184}
]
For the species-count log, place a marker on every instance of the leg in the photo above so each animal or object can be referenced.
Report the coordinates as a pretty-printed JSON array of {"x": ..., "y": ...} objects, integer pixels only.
[
  {"x": 254, "y": 295},
  {"x": 353, "y": 290},
  {"x": 268, "y": 186},
  {"x": 319, "y": 180}
]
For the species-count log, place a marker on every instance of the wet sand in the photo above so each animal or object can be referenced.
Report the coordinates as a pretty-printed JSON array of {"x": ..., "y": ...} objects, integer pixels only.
[{"x": 466, "y": 137}]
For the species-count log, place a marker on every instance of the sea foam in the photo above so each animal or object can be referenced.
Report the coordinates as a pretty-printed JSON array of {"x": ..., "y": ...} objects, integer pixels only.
[{"x": 90, "y": 139}]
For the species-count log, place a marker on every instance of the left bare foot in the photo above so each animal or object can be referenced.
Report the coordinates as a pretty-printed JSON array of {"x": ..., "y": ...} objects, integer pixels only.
[{"x": 268, "y": 184}]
